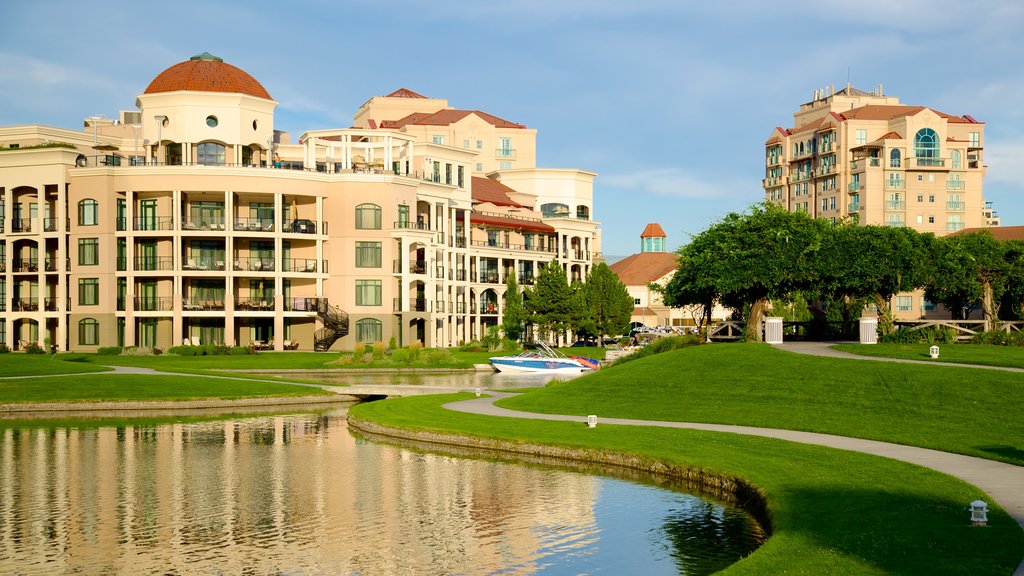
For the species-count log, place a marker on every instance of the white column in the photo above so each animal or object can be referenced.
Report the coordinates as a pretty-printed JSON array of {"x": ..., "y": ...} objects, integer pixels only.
[{"x": 129, "y": 255}]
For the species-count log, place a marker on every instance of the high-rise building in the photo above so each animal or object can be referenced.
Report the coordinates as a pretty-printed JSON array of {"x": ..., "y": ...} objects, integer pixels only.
[
  {"x": 193, "y": 220},
  {"x": 864, "y": 156}
]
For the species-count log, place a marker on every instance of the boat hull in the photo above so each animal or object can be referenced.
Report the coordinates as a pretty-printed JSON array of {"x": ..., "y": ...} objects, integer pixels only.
[{"x": 519, "y": 365}]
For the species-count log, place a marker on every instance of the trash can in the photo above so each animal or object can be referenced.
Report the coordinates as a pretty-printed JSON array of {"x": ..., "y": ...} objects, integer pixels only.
[
  {"x": 773, "y": 330},
  {"x": 869, "y": 330}
]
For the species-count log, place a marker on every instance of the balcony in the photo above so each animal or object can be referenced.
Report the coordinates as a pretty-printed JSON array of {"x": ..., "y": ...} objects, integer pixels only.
[
  {"x": 895, "y": 205},
  {"x": 153, "y": 304},
  {"x": 439, "y": 272},
  {"x": 153, "y": 263},
  {"x": 50, "y": 224},
  {"x": 505, "y": 153},
  {"x": 853, "y": 207},
  {"x": 202, "y": 305},
  {"x": 930, "y": 162},
  {"x": 24, "y": 304},
  {"x": 298, "y": 265},
  {"x": 409, "y": 225},
  {"x": 489, "y": 309},
  {"x": 21, "y": 225},
  {"x": 122, "y": 224},
  {"x": 255, "y": 264},
  {"x": 254, "y": 304},
  {"x": 487, "y": 277},
  {"x": 526, "y": 279},
  {"x": 895, "y": 184},
  {"x": 153, "y": 223},
  {"x": 853, "y": 187},
  {"x": 954, "y": 184},
  {"x": 254, "y": 225},
  {"x": 294, "y": 226},
  {"x": 954, "y": 226},
  {"x": 301, "y": 304},
  {"x": 415, "y": 266},
  {"x": 415, "y": 305},
  {"x": 460, "y": 275},
  {"x": 955, "y": 206},
  {"x": 50, "y": 304},
  {"x": 863, "y": 163},
  {"x": 27, "y": 265}
]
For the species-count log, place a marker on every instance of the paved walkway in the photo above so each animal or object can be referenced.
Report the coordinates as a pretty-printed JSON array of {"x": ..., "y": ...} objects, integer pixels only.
[{"x": 1004, "y": 483}]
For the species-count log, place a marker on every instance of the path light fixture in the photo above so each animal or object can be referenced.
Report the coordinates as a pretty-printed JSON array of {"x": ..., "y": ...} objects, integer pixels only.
[
  {"x": 477, "y": 392},
  {"x": 933, "y": 352},
  {"x": 979, "y": 513},
  {"x": 592, "y": 421}
]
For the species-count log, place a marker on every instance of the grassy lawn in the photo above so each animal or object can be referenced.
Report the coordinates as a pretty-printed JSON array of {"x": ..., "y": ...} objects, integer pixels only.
[
  {"x": 964, "y": 410},
  {"x": 832, "y": 512},
  {"x": 197, "y": 364},
  {"x": 984, "y": 354},
  {"x": 128, "y": 387},
  {"x": 44, "y": 364}
]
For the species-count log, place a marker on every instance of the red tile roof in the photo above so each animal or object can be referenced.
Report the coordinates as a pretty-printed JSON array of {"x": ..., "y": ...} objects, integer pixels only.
[
  {"x": 998, "y": 232},
  {"x": 489, "y": 190},
  {"x": 653, "y": 230},
  {"x": 777, "y": 135},
  {"x": 643, "y": 268},
  {"x": 447, "y": 118},
  {"x": 884, "y": 112},
  {"x": 404, "y": 93},
  {"x": 206, "y": 73},
  {"x": 516, "y": 223}
]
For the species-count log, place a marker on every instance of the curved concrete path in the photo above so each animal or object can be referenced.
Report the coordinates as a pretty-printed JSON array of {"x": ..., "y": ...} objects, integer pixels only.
[
  {"x": 1004, "y": 483},
  {"x": 825, "y": 349}
]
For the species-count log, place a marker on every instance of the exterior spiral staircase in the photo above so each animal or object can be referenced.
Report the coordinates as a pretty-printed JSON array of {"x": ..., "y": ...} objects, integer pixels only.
[{"x": 335, "y": 321}]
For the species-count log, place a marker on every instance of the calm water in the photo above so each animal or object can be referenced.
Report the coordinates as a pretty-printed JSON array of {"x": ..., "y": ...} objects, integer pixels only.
[{"x": 299, "y": 494}]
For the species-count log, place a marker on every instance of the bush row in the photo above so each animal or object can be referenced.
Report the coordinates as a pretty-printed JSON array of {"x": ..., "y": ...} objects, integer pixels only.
[
  {"x": 210, "y": 350},
  {"x": 999, "y": 338},
  {"x": 904, "y": 335},
  {"x": 660, "y": 345}
]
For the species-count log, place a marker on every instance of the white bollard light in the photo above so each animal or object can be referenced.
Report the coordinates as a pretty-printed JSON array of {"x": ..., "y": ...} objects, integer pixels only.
[
  {"x": 933, "y": 351},
  {"x": 592, "y": 421},
  {"x": 979, "y": 513},
  {"x": 478, "y": 392}
]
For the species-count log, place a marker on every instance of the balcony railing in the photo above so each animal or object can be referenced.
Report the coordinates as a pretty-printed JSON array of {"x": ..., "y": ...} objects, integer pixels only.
[
  {"x": 409, "y": 225},
  {"x": 50, "y": 224},
  {"x": 254, "y": 225},
  {"x": 122, "y": 264},
  {"x": 853, "y": 207},
  {"x": 895, "y": 205},
  {"x": 489, "y": 277},
  {"x": 954, "y": 226},
  {"x": 930, "y": 162},
  {"x": 415, "y": 305},
  {"x": 954, "y": 184},
  {"x": 153, "y": 304},
  {"x": 895, "y": 184},
  {"x": 203, "y": 225},
  {"x": 301, "y": 304},
  {"x": 201, "y": 305},
  {"x": 415, "y": 266},
  {"x": 955, "y": 206},
  {"x": 297, "y": 226},
  {"x": 152, "y": 223},
  {"x": 24, "y": 304},
  {"x": 505, "y": 153},
  {"x": 439, "y": 272},
  {"x": 122, "y": 224},
  {"x": 21, "y": 225},
  {"x": 489, "y": 309},
  {"x": 254, "y": 304},
  {"x": 460, "y": 275},
  {"x": 254, "y": 264},
  {"x": 28, "y": 265},
  {"x": 853, "y": 187},
  {"x": 153, "y": 263},
  {"x": 203, "y": 264},
  {"x": 50, "y": 304},
  {"x": 526, "y": 279},
  {"x": 298, "y": 265}
]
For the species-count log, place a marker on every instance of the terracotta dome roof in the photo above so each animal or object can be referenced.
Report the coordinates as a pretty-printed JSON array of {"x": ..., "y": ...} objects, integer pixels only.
[{"x": 207, "y": 73}]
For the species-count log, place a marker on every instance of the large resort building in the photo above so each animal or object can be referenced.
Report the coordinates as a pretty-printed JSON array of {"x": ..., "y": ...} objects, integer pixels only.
[
  {"x": 191, "y": 220},
  {"x": 863, "y": 156}
]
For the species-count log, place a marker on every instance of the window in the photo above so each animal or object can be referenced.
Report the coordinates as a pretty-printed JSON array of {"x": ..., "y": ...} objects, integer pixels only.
[
  {"x": 927, "y": 305},
  {"x": 437, "y": 139},
  {"x": 583, "y": 212},
  {"x": 504, "y": 166},
  {"x": 974, "y": 139},
  {"x": 369, "y": 330},
  {"x": 88, "y": 291},
  {"x": 479, "y": 144},
  {"x": 954, "y": 158},
  {"x": 554, "y": 210},
  {"x": 832, "y": 203},
  {"x": 448, "y": 174},
  {"x": 931, "y": 219},
  {"x": 206, "y": 214},
  {"x": 368, "y": 292},
  {"x": 505, "y": 149},
  {"x": 367, "y": 254},
  {"x": 479, "y": 167},
  {"x": 920, "y": 197},
  {"x": 462, "y": 176},
  {"x": 210, "y": 154},
  {"x": 88, "y": 212},
  {"x": 636, "y": 301},
  {"x": 926, "y": 147},
  {"x": 862, "y": 136},
  {"x": 88, "y": 332},
  {"x": 88, "y": 251},
  {"x": 368, "y": 217},
  {"x": 894, "y": 159},
  {"x": 904, "y": 303},
  {"x": 465, "y": 143},
  {"x": 211, "y": 121},
  {"x": 931, "y": 198}
]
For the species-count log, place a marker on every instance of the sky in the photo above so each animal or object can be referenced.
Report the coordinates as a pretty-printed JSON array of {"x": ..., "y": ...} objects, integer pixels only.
[{"x": 669, "y": 102}]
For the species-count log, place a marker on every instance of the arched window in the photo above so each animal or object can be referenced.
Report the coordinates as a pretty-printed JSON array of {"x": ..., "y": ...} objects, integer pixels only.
[
  {"x": 554, "y": 210},
  {"x": 954, "y": 158},
  {"x": 369, "y": 330},
  {"x": 88, "y": 212},
  {"x": 88, "y": 332},
  {"x": 210, "y": 154},
  {"x": 894, "y": 158},
  {"x": 926, "y": 147},
  {"x": 368, "y": 217},
  {"x": 582, "y": 212}
]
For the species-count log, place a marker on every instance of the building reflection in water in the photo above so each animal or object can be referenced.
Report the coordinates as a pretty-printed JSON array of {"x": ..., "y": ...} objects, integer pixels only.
[{"x": 276, "y": 494}]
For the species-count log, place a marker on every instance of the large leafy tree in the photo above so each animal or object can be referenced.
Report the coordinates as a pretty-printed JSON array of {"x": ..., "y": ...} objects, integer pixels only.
[
  {"x": 550, "y": 303},
  {"x": 748, "y": 260},
  {"x": 972, "y": 268},
  {"x": 513, "y": 318},
  {"x": 607, "y": 302}
]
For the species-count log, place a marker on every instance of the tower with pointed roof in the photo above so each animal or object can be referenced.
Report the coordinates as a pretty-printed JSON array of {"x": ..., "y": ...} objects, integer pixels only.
[{"x": 652, "y": 239}]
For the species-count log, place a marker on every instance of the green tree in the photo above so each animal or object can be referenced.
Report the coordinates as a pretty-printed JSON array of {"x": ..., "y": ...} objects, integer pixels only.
[
  {"x": 972, "y": 268},
  {"x": 607, "y": 302},
  {"x": 550, "y": 302},
  {"x": 748, "y": 260},
  {"x": 513, "y": 319}
]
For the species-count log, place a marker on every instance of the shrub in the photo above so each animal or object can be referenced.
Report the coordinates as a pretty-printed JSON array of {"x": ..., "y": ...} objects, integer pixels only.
[
  {"x": 110, "y": 350},
  {"x": 34, "y": 348},
  {"x": 392, "y": 343},
  {"x": 937, "y": 335},
  {"x": 378, "y": 350},
  {"x": 999, "y": 338},
  {"x": 401, "y": 356},
  {"x": 4, "y": 349},
  {"x": 140, "y": 351},
  {"x": 660, "y": 345},
  {"x": 438, "y": 357},
  {"x": 414, "y": 351},
  {"x": 241, "y": 351}
]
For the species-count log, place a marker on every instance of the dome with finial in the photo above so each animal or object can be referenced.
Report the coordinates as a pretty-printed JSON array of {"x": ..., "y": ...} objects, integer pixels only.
[{"x": 207, "y": 73}]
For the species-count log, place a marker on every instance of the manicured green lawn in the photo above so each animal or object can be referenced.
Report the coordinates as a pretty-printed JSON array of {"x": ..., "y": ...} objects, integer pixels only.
[
  {"x": 263, "y": 360},
  {"x": 833, "y": 512},
  {"x": 129, "y": 387},
  {"x": 965, "y": 410},
  {"x": 984, "y": 354},
  {"x": 42, "y": 364}
]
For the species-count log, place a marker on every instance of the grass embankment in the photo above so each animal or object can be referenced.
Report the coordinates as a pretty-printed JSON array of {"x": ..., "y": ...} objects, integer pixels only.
[
  {"x": 980, "y": 354},
  {"x": 130, "y": 387},
  {"x": 832, "y": 512},
  {"x": 45, "y": 364},
  {"x": 964, "y": 410}
]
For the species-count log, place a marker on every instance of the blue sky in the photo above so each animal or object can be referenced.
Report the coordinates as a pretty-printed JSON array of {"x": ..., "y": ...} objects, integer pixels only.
[{"x": 670, "y": 102}]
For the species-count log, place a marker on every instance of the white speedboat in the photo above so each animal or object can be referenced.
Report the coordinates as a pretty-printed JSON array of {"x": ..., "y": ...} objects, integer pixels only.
[{"x": 543, "y": 360}]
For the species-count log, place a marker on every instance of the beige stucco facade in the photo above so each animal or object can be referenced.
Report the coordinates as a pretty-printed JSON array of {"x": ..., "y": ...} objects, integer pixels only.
[
  {"x": 197, "y": 223},
  {"x": 863, "y": 156}
]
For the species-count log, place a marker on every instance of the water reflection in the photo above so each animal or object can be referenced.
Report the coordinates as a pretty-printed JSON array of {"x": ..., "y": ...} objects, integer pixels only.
[
  {"x": 466, "y": 380},
  {"x": 299, "y": 494}
]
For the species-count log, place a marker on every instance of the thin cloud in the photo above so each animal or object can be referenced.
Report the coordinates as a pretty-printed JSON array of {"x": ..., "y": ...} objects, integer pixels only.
[
  {"x": 1004, "y": 162},
  {"x": 674, "y": 182}
]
